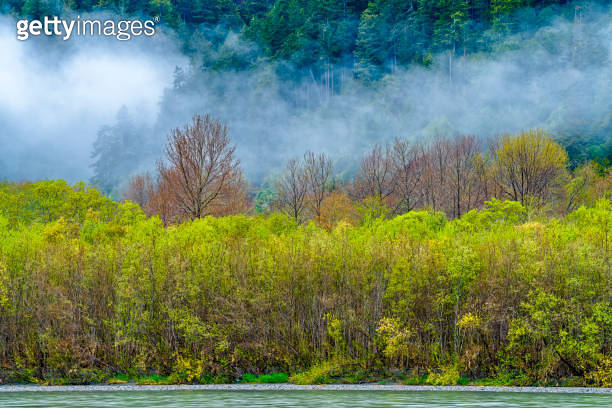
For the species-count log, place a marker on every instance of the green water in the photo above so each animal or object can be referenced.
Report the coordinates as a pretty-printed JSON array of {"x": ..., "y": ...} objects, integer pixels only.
[{"x": 252, "y": 399}]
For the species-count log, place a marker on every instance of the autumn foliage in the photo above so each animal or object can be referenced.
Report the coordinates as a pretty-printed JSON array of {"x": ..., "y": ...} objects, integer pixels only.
[{"x": 198, "y": 175}]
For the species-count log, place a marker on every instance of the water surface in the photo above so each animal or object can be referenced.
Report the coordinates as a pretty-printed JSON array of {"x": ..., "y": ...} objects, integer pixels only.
[{"x": 253, "y": 399}]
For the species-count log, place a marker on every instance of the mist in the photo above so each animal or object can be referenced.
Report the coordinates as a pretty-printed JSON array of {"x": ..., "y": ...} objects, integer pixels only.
[
  {"x": 56, "y": 99},
  {"x": 55, "y": 95},
  {"x": 556, "y": 77}
]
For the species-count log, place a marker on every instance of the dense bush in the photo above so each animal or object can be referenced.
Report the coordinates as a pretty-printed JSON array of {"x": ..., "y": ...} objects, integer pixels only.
[{"x": 88, "y": 285}]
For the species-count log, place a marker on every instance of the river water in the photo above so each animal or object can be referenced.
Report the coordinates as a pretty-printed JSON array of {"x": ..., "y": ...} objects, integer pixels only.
[{"x": 252, "y": 399}]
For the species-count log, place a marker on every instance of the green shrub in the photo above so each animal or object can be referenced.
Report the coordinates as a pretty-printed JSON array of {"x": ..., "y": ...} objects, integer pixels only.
[
  {"x": 273, "y": 378},
  {"x": 321, "y": 373},
  {"x": 448, "y": 376},
  {"x": 415, "y": 380},
  {"x": 249, "y": 378},
  {"x": 118, "y": 379},
  {"x": 154, "y": 380}
]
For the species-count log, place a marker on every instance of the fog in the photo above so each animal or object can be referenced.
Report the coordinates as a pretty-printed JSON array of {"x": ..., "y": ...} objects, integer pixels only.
[
  {"x": 556, "y": 77},
  {"x": 55, "y": 95},
  {"x": 54, "y": 98}
]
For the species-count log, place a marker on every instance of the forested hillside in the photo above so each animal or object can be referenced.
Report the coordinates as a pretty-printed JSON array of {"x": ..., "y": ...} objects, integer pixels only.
[
  {"x": 375, "y": 36},
  {"x": 340, "y": 76}
]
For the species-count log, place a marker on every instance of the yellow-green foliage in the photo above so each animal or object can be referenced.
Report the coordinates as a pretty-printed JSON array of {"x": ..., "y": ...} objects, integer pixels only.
[
  {"x": 448, "y": 376},
  {"x": 602, "y": 376},
  {"x": 321, "y": 373},
  {"x": 88, "y": 283}
]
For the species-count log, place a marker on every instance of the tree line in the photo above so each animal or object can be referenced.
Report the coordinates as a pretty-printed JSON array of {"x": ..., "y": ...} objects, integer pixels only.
[{"x": 199, "y": 175}]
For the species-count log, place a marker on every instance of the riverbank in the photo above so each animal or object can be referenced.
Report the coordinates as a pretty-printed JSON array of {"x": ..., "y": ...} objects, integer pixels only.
[
  {"x": 92, "y": 291},
  {"x": 294, "y": 387}
]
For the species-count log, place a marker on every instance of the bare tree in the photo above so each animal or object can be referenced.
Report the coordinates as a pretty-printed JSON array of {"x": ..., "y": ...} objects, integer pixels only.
[
  {"x": 462, "y": 174},
  {"x": 318, "y": 172},
  {"x": 483, "y": 187},
  {"x": 434, "y": 186},
  {"x": 375, "y": 177},
  {"x": 154, "y": 198},
  {"x": 232, "y": 199},
  {"x": 140, "y": 189},
  {"x": 408, "y": 164},
  {"x": 163, "y": 201},
  {"x": 199, "y": 166},
  {"x": 291, "y": 190},
  {"x": 449, "y": 175}
]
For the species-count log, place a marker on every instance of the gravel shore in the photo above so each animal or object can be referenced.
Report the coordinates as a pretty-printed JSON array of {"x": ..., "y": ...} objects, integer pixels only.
[{"x": 293, "y": 387}]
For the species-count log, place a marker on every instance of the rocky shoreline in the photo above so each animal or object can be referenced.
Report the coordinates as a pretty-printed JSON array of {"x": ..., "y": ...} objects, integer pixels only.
[{"x": 294, "y": 387}]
